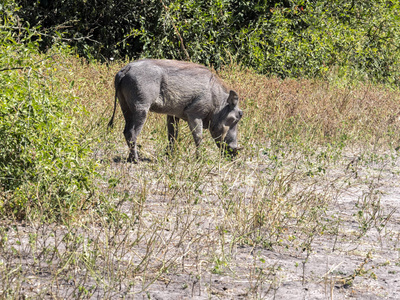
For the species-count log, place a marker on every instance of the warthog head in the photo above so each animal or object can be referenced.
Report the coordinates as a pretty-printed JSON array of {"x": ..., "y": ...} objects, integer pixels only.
[{"x": 224, "y": 125}]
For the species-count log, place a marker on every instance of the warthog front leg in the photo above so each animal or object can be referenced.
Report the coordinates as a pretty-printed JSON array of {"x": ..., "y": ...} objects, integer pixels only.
[{"x": 196, "y": 126}]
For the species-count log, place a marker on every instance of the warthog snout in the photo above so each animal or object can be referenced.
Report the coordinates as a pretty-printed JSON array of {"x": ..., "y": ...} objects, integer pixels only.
[{"x": 231, "y": 152}]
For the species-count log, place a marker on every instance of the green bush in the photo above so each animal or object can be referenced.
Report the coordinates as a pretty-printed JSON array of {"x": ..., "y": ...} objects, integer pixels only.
[
  {"x": 45, "y": 165},
  {"x": 358, "y": 38}
]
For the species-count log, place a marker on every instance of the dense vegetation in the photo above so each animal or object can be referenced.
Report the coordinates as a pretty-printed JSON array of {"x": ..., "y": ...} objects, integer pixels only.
[
  {"x": 289, "y": 38},
  {"x": 43, "y": 149}
]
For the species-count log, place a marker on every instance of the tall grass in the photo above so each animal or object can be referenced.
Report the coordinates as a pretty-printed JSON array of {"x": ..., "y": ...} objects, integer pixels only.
[{"x": 308, "y": 185}]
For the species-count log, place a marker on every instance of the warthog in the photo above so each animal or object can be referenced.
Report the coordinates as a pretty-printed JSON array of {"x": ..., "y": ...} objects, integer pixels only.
[{"x": 181, "y": 90}]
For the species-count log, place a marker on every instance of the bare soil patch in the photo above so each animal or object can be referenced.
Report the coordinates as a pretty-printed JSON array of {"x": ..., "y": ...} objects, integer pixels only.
[{"x": 200, "y": 231}]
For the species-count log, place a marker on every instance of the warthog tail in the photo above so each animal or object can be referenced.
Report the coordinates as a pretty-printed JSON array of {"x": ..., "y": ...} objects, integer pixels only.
[
  {"x": 110, "y": 124},
  {"x": 117, "y": 82}
]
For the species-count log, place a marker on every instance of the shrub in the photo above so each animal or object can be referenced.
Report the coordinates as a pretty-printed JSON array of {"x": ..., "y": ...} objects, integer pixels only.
[{"x": 45, "y": 166}]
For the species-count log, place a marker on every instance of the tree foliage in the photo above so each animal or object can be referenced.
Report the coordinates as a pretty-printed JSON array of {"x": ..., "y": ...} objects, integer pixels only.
[{"x": 286, "y": 38}]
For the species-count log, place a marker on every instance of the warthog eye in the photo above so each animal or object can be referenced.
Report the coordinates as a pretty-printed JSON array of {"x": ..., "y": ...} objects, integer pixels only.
[{"x": 230, "y": 120}]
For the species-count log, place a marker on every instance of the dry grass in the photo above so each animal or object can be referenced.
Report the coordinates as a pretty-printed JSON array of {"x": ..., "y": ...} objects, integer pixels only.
[{"x": 307, "y": 210}]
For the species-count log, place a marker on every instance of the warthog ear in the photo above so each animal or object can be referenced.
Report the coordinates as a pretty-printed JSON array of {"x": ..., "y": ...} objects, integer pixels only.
[{"x": 233, "y": 98}]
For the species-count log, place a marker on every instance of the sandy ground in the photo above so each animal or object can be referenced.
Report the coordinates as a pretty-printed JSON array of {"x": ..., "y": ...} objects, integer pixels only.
[
  {"x": 334, "y": 259},
  {"x": 340, "y": 265}
]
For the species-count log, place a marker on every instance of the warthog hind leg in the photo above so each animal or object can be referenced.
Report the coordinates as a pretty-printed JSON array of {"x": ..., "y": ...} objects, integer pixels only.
[{"x": 133, "y": 125}]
